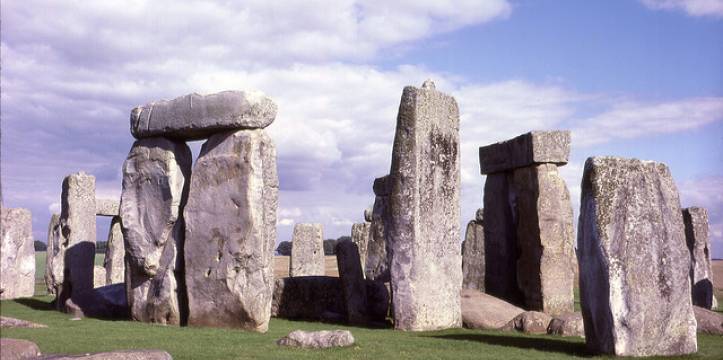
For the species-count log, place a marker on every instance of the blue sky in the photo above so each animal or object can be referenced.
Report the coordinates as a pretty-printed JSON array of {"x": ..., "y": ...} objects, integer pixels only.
[{"x": 634, "y": 78}]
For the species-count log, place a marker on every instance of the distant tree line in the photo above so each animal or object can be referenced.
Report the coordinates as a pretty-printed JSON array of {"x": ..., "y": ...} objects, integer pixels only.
[{"x": 284, "y": 247}]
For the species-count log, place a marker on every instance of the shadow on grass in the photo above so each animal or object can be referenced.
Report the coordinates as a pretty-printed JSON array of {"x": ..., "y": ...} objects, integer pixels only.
[
  {"x": 36, "y": 304},
  {"x": 541, "y": 344}
]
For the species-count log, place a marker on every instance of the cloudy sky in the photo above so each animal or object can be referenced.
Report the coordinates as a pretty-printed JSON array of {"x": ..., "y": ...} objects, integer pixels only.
[{"x": 634, "y": 78}]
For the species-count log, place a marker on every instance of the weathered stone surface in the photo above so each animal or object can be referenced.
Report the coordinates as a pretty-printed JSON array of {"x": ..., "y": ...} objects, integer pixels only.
[
  {"x": 194, "y": 116},
  {"x": 530, "y": 322},
  {"x": 634, "y": 265},
  {"x": 368, "y": 215},
  {"x": 479, "y": 215},
  {"x": 378, "y": 301},
  {"x": 77, "y": 221},
  {"x": 8, "y": 322},
  {"x": 568, "y": 324},
  {"x": 545, "y": 262},
  {"x": 55, "y": 256},
  {"x": 155, "y": 186},
  {"x": 500, "y": 235},
  {"x": 115, "y": 251},
  {"x": 378, "y": 253},
  {"x": 317, "y": 339},
  {"x": 17, "y": 254},
  {"x": 107, "y": 207},
  {"x": 99, "y": 276},
  {"x": 473, "y": 256},
  {"x": 308, "y": 298},
  {"x": 105, "y": 302},
  {"x": 360, "y": 234},
  {"x": 426, "y": 266},
  {"x": 708, "y": 322},
  {"x": 536, "y": 147},
  {"x": 117, "y": 355},
  {"x": 307, "y": 252},
  {"x": 17, "y": 349},
  {"x": 231, "y": 231},
  {"x": 352, "y": 282},
  {"x": 482, "y": 311},
  {"x": 695, "y": 220}
]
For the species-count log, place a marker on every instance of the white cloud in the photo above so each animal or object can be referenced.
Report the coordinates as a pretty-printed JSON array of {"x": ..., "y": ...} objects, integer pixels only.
[{"x": 691, "y": 7}]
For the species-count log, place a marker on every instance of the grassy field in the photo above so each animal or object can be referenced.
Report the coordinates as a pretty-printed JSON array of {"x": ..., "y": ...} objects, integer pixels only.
[{"x": 90, "y": 335}]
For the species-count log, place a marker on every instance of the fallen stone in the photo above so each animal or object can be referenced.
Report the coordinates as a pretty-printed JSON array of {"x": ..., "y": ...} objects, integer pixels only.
[
  {"x": 482, "y": 311},
  {"x": 352, "y": 282},
  {"x": 307, "y": 251},
  {"x": 530, "y": 322},
  {"x": 77, "y": 221},
  {"x": 17, "y": 349},
  {"x": 695, "y": 220},
  {"x": 378, "y": 253},
  {"x": 55, "y": 256},
  {"x": 308, "y": 298},
  {"x": 426, "y": 265},
  {"x": 536, "y": 147},
  {"x": 473, "y": 256},
  {"x": 17, "y": 254},
  {"x": 634, "y": 264},
  {"x": 117, "y": 355},
  {"x": 569, "y": 324},
  {"x": 709, "y": 322},
  {"x": 194, "y": 116},
  {"x": 230, "y": 222},
  {"x": 546, "y": 257},
  {"x": 114, "y": 260},
  {"x": 8, "y": 322},
  {"x": 107, "y": 207},
  {"x": 317, "y": 339},
  {"x": 360, "y": 234},
  {"x": 155, "y": 186}
]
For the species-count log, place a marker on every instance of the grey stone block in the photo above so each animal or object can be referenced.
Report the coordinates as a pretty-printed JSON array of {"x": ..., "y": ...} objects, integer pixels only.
[{"x": 536, "y": 147}]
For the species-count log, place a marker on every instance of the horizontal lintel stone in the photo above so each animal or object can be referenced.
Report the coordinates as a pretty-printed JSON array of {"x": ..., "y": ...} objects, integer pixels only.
[{"x": 535, "y": 147}]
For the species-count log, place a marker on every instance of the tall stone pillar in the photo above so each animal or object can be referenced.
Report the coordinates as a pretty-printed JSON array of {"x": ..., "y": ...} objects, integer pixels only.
[
  {"x": 634, "y": 264},
  {"x": 307, "y": 250},
  {"x": 17, "y": 253},
  {"x": 528, "y": 222},
  {"x": 155, "y": 187},
  {"x": 473, "y": 254},
  {"x": 378, "y": 254},
  {"x": 426, "y": 265},
  {"x": 695, "y": 220},
  {"x": 55, "y": 256},
  {"x": 114, "y": 261}
]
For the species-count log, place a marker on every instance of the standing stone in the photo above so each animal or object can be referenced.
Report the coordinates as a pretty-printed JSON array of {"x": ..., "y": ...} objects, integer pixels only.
[
  {"x": 54, "y": 256},
  {"x": 77, "y": 221},
  {"x": 17, "y": 254},
  {"x": 155, "y": 186},
  {"x": 426, "y": 267},
  {"x": 695, "y": 220},
  {"x": 473, "y": 255},
  {"x": 360, "y": 234},
  {"x": 231, "y": 231},
  {"x": 378, "y": 254},
  {"x": 352, "y": 282},
  {"x": 114, "y": 261},
  {"x": 99, "y": 276},
  {"x": 634, "y": 265},
  {"x": 545, "y": 273},
  {"x": 307, "y": 251},
  {"x": 194, "y": 116}
]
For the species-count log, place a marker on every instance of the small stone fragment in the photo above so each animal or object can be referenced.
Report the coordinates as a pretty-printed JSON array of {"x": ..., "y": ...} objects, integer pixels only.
[
  {"x": 117, "y": 355},
  {"x": 317, "y": 339},
  {"x": 17, "y": 349},
  {"x": 530, "y": 322},
  {"x": 17, "y": 254},
  {"x": 536, "y": 147},
  {"x": 8, "y": 322},
  {"x": 568, "y": 324},
  {"x": 307, "y": 252}
]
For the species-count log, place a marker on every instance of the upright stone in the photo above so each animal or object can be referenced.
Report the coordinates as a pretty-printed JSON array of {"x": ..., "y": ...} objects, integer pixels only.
[
  {"x": 473, "y": 254},
  {"x": 352, "y": 282},
  {"x": 634, "y": 265},
  {"x": 307, "y": 251},
  {"x": 17, "y": 254},
  {"x": 55, "y": 256},
  {"x": 114, "y": 261},
  {"x": 231, "y": 231},
  {"x": 360, "y": 234},
  {"x": 155, "y": 186},
  {"x": 545, "y": 272},
  {"x": 426, "y": 267},
  {"x": 194, "y": 116},
  {"x": 77, "y": 219},
  {"x": 701, "y": 272},
  {"x": 378, "y": 254}
]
